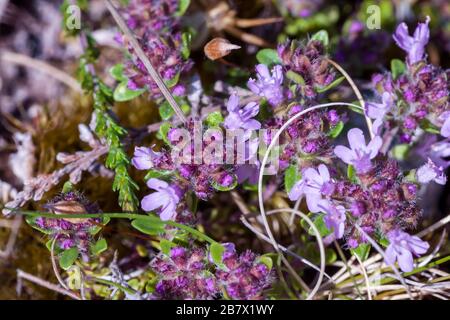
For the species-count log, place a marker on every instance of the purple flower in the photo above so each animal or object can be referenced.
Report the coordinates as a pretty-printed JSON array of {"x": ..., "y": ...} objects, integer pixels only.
[
  {"x": 445, "y": 130},
  {"x": 360, "y": 154},
  {"x": 166, "y": 197},
  {"x": 267, "y": 85},
  {"x": 415, "y": 45},
  {"x": 143, "y": 158},
  {"x": 378, "y": 110},
  {"x": 241, "y": 117},
  {"x": 431, "y": 172},
  {"x": 314, "y": 184},
  {"x": 402, "y": 246},
  {"x": 334, "y": 218}
]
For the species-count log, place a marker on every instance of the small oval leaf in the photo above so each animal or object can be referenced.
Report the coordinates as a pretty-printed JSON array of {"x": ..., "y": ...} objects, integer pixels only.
[
  {"x": 122, "y": 93},
  {"x": 268, "y": 57},
  {"x": 216, "y": 251},
  {"x": 68, "y": 258},
  {"x": 152, "y": 226}
]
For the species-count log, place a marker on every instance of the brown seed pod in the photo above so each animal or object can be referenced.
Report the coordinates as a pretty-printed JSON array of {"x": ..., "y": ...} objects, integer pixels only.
[
  {"x": 218, "y": 48},
  {"x": 69, "y": 207}
]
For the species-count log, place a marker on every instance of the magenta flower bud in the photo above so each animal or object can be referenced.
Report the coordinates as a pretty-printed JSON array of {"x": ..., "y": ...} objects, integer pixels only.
[
  {"x": 410, "y": 123},
  {"x": 226, "y": 179},
  {"x": 179, "y": 90},
  {"x": 352, "y": 243},
  {"x": 405, "y": 138},
  {"x": 390, "y": 213},
  {"x": 409, "y": 95},
  {"x": 185, "y": 171},
  {"x": 310, "y": 146},
  {"x": 358, "y": 208},
  {"x": 333, "y": 117},
  {"x": 295, "y": 109},
  {"x": 177, "y": 252}
]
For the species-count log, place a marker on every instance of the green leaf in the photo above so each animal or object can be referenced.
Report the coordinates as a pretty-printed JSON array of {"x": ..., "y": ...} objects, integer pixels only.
[
  {"x": 166, "y": 111},
  {"x": 336, "y": 130},
  {"x": 32, "y": 222},
  {"x": 163, "y": 131},
  {"x": 122, "y": 93},
  {"x": 216, "y": 251},
  {"x": 351, "y": 174},
  {"x": 268, "y": 57},
  {"x": 332, "y": 85},
  {"x": 116, "y": 72},
  {"x": 384, "y": 242},
  {"x": 291, "y": 176},
  {"x": 220, "y": 187},
  {"x": 57, "y": 249},
  {"x": 429, "y": 127},
  {"x": 320, "y": 225},
  {"x": 158, "y": 174},
  {"x": 330, "y": 256},
  {"x": 172, "y": 82},
  {"x": 400, "y": 151},
  {"x": 322, "y": 36},
  {"x": 294, "y": 76},
  {"x": 183, "y": 5},
  {"x": 362, "y": 251},
  {"x": 397, "y": 68},
  {"x": 267, "y": 260},
  {"x": 68, "y": 258},
  {"x": 166, "y": 245},
  {"x": 150, "y": 225},
  {"x": 354, "y": 109},
  {"x": 67, "y": 187},
  {"x": 96, "y": 229},
  {"x": 186, "y": 39},
  {"x": 319, "y": 222},
  {"x": 98, "y": 247},
  {"x": 214, "y": 119}
]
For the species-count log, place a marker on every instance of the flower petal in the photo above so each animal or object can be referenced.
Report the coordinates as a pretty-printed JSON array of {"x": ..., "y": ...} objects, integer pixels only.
[
  {"x": 418, "y": 246},
  {"x": 263, "y": 71},
  {"x": 344, "y": 153},
  {"x": 296, "y": 191},
  {"x": 405, "y": 260},
  {"x": 168, "y": 212},
  {"x": 233, "y": 103},
  {"x": 374, "y": 146},
  {"x": 324, "y": 173},
  {"x": 157, "y": 184},
  {"x": 390, "y": 255},
  {"x": 356, "y": 139},
  {"x": 154, "y": 201},
  {"x": 402, "y": 37},
  {"x": 313, "y": 200},
  {"x": 445, "y": 130}
]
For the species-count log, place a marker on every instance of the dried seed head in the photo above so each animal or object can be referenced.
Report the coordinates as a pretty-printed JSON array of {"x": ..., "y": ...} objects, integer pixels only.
[
  {"x": 218, "y": 48},
  {"x": 69, "y": 207}
]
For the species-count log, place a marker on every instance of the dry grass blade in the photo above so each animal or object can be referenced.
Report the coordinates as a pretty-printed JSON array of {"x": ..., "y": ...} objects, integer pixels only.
[
  {"x": 41, "y": 66},
  {"x": 148, "y": 65}
]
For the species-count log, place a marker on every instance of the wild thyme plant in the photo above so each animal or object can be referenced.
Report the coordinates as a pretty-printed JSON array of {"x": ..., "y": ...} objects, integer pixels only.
[{"x": 284, "y": 132}]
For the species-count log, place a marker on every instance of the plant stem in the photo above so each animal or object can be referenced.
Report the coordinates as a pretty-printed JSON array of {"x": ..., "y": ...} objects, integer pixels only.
[{"x": 131, "y": 216}]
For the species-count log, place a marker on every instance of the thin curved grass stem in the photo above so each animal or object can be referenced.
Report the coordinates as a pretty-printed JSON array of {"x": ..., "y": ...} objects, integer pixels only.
[
  {"x": 263, "y": 165},
  {"x": 55, "y": 267},
  {"x": 357, "y": 93}
]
